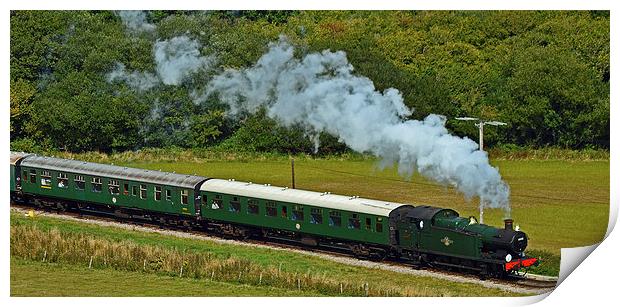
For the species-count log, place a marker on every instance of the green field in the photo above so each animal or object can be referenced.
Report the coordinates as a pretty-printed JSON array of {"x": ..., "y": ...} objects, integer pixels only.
[
  {"x": 289, "y": 262},
  {"x": 34, "y": 279},
  {"x": 547, "y": 196}
]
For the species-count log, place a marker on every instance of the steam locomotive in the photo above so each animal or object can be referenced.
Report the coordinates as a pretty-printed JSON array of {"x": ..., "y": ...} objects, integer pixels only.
[{"x": 373, "y": 229}]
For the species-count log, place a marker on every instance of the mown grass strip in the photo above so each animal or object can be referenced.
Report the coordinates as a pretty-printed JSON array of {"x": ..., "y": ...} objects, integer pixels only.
[
  {"x": 35, "y": 278},
  {"x": 54, "y": 246}
]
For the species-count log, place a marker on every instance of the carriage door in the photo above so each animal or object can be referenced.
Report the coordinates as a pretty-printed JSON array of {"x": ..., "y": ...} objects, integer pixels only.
[{"x": 197, "y": 202}]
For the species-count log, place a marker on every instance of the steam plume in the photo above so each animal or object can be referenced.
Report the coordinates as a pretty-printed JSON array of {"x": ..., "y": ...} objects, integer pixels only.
[
  {"x": 135, "y": 21},
  {"x": 177, "y": 58},
  {"x": 321, "y": 93},
  {"x": 140, "y": 81}
]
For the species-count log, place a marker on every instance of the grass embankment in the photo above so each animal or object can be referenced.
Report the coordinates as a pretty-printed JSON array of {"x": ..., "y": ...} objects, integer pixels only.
[
  {"x": 53, "y": 246},
  {"x": 311, "y": 274},
  {"x": 35, "y": 278}
]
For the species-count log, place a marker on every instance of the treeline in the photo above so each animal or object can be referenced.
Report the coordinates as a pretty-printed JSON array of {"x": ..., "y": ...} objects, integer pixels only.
[{"x": 544, "y": 73}]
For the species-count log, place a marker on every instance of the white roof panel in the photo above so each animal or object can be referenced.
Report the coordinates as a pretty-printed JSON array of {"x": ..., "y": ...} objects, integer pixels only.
[{"x": 332, "y": 201}]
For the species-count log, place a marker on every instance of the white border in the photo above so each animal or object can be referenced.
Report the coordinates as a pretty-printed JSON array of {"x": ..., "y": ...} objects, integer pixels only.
[{"x": 594, "y": 281}]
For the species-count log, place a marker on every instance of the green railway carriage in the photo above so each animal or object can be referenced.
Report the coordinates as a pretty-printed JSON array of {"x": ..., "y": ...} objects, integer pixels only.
[
  {"x": 311, "y": 214},
  {"x": 114, "y": 186},
  {"x": 15, "y": 160}
]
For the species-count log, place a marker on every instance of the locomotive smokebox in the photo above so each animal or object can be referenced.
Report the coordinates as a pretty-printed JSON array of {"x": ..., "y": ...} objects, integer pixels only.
[{"x": 508, "y": 224}]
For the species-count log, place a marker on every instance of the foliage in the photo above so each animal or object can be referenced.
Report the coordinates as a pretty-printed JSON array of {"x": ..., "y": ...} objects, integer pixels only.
[
  {"x": 21, "y": 99},
  {"x": 259, "y": 133},
  {"x": 77, "y": 113},
  {"x": 545, "y": 73},
  {"x": 513, "y": 152}
]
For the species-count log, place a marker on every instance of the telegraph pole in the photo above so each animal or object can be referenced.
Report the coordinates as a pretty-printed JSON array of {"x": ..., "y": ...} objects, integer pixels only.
[
  {"x": 480, "y": 124},
  {"x": 293, "y": 172}
]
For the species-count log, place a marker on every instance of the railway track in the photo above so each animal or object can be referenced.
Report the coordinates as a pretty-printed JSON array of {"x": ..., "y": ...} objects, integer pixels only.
[{"x": 530, "y": 284}]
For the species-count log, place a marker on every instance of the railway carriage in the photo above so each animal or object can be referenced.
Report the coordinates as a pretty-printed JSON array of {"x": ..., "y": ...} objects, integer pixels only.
[
  {"x": 364, "y": 227},
  {"x": 309, "y": 217},
  {"x": 127, "y": 192},
  {"x": 15, "y": 161}
]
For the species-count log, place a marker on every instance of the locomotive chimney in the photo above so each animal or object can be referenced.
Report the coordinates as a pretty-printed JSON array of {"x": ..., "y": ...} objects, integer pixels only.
[{"x": 508, "y": 224}]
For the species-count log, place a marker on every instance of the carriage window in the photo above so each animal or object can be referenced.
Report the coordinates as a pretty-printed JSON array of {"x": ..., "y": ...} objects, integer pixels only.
[
  {"x": 298, "y": 213},
  {"x": 126, "y": 189},
  {"x": 33, "y": 176},
  {"x": 79, "y": 182},
  {"x": 46, "y": 179},
  {"x": 143, "y": 191},
  {"x": 157, "y": 193},
  {"x": 25, "y": 176},
  {"x": 184, "y": 197},
  {"x": 96, "y": 181},
  {"x": 113, "y": 187},
  {"x": 63, "y": 180},
  {"x": 271, "y": 208},
  {"x": 368, "y": 224},
  {"x": 316, "y": 216},
  {"x": 335, "y": 219},
  {"x": 253, "y": 206},
  {"x": 168, "y": 195},
  {"x": 284, "y": 212},
  {"x": 217, "y": 203},
  {"x": 379, "y": 225},
  {"x": 235, "y": 205},
  {"x": 354, "y": 222},
  {"x": 134, "y": 190},
  {"x": 203, "y": 199}
]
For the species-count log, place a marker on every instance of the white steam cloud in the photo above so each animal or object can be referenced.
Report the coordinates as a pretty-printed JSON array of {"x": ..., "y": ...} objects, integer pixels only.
[
  {"x": 135, "y": 21},
  {"x": 178, "y": 58},
  {"x": 321, "y": 93},
  {"x": 175, "y": 60},
  {"x": 140, "y": 81}
]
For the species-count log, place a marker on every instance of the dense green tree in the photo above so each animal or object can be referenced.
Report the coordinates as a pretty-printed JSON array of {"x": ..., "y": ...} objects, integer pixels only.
[
  {"x": 78, "y": 113},
  {"x": 545, "y": 73}
]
